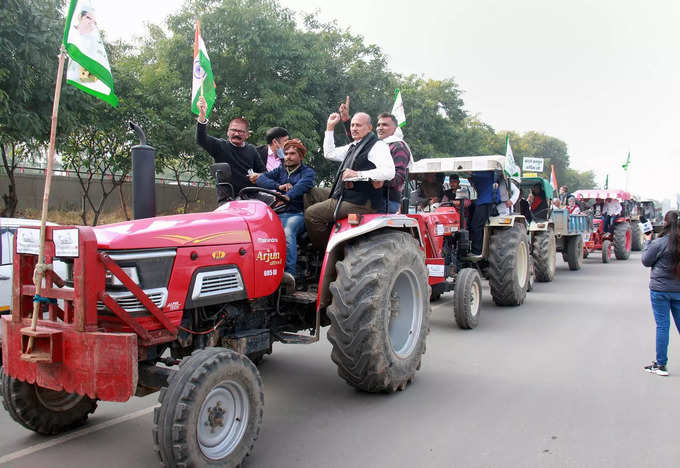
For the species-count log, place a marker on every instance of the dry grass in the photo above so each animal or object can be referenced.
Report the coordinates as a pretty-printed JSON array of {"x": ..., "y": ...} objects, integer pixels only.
[{"x": 72, "y": 218}]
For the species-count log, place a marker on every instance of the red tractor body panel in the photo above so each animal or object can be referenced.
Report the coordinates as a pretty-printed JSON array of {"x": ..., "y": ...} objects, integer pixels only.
[
  {"x": 97, "y": 364},
  {"x": 435, "y": 226},
  {"x": 79, "y": 349}
]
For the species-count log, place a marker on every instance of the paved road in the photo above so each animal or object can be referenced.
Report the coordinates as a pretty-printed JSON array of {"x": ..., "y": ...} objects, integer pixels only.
[{"x": 557, "y": 382}]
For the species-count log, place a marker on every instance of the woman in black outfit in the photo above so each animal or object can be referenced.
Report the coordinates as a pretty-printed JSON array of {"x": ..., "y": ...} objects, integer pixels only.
[{"x": 663, "y": 256}]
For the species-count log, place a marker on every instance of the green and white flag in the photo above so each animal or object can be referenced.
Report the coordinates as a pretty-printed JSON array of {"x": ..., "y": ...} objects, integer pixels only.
[
  {"x": 88, "y": 67},
  {"x": 398, "y": 108},
  {"x": 512, "y": 170},
  {"x": 625, "y": 165},
  {"x": 203, "y": 81}
]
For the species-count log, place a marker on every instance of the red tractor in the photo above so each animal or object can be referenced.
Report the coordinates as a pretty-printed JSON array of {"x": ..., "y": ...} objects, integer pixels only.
[
  {"x": 202, "y": 291},
  {"x": 620, "y": 241}
]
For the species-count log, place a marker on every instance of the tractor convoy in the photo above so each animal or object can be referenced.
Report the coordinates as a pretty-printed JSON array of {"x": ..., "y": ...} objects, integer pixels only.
[{"x": 188, "y": 305}]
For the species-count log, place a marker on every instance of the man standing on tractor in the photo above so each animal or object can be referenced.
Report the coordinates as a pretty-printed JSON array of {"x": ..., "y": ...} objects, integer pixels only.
[
  {"x": 400, "y": 151},
  {"x": 483, "y": 183},
  {"x": 241, "y": 156},
  {"x": 364, "y": 161},
  {"x": 610, "y": 211},
  {"x": 293, "y": 179}
]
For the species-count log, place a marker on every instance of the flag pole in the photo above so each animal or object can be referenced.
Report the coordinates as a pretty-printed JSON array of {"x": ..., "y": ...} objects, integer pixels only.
[{"x": 40, "y": 267}]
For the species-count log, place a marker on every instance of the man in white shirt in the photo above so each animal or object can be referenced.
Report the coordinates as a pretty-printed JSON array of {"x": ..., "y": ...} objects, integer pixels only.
[
  {"x": 504, "y": 208},
  {"x": 364, "y": 161},
  {"x": 610, "y": 211}
]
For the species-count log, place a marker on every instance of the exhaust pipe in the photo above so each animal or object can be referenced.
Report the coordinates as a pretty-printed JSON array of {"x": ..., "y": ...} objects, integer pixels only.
[{"x": 143, "y": 176}]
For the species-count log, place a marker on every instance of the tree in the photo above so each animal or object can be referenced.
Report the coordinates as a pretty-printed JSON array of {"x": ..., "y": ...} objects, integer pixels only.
[{"x": 29, "y": 42}]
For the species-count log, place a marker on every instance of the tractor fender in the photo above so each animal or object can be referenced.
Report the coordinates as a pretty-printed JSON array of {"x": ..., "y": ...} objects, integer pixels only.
[
  {"x": 499, "y": 222},
  {"x": 342, "y": 232},
  {"x": 541, "y": 226}
]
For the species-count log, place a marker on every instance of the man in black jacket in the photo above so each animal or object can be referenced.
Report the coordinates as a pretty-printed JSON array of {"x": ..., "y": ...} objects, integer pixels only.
[{"x": 241, "y": 156}]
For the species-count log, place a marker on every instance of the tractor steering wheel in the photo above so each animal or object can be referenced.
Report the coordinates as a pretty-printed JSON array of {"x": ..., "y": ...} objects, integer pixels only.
[{"x": 250, "y": 193}]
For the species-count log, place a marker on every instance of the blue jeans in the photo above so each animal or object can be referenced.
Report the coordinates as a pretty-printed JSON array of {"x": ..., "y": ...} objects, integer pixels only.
[
  {"x": 664, "y": 304},
  {"x": 293, "y": 226}
]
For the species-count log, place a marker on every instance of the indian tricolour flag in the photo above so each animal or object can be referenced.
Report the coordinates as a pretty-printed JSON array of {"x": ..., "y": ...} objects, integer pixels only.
[
  {"x": 203, "y": 80},
  {"x": 88, "y": 67}
]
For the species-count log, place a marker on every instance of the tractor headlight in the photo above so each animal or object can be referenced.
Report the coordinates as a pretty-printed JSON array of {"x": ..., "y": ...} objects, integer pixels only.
[{"x": 131, "y": 271}]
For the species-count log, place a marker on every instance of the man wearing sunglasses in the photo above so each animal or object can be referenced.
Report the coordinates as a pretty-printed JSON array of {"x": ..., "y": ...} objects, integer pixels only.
[{"x": 241, "y": 156}]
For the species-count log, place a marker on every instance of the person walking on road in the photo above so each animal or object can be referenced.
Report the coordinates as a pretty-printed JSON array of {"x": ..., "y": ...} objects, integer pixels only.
[{"x": 663, "y": 256}]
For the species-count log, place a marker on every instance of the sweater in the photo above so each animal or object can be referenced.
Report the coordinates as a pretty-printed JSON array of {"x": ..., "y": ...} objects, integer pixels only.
[
  {"x": 657, "y": 255},
  {"x": 240, "y": 158}
]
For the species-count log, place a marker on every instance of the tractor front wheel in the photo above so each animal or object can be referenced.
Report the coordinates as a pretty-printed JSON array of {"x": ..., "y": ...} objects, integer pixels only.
[
  {"x": 509, "y": 265},
  {"x": 467, "y": 299},
  {"x": 44, "y": 411},
  {"x": 211, "y": 411},
  {"x": 380, "y": 312},
  {"x": 622, "y": 241}
]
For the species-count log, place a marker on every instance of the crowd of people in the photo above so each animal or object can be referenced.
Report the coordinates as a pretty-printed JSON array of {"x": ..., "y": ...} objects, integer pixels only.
[{"x": 370, "y": 179}]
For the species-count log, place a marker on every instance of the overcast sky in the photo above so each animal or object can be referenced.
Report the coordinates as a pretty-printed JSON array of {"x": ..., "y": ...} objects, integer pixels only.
[{"x": 598, "y": 74}]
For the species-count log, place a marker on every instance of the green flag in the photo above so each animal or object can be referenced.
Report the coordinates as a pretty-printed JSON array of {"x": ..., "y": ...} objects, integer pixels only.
[
  {"x": 606, "y": 182},
  {"x": 88, "y": 68},
  {"x": 625, "y": 166},
  {"x": 510, "y": 167},
  {"x": 398, "y": 108}
]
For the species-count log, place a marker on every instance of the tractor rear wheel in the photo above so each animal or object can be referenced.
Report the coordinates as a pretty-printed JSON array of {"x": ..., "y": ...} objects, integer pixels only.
[
  {"x": 509, "y": 265},
  {"x": 543, "y": 252},
  {"x": 44, "y": 411},
  {"x": 380, "y": 312},
  {"x": 211, "y": 411},
  {"x": 467, "y": 299},
  {"x": 606, "y": 251},
  {"x": 622, "y": 241},
  {"x": 575, "y": 252},
  {"x": 636, "y": 236}
]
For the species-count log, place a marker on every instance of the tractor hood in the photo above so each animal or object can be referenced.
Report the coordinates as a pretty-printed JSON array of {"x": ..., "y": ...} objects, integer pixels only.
[{"x": 229, "y": 224}]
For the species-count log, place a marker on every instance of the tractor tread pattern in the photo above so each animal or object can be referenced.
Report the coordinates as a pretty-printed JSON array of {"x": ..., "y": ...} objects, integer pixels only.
[
  {"x": 620, "y": 250},
  {"x": 542, "y": 252},
  {"x": 462, "y": 298},
  {"x": 171, "y": 418},
  {"x": 636, "y": 233},
  {"x": 20, "y": 400},
  {"x": 503, "y": 283},
  {"x": 358, "y": 332}
]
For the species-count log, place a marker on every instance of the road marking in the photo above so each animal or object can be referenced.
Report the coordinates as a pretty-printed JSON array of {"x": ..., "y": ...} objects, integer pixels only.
[{"x": 74, "y": 435}]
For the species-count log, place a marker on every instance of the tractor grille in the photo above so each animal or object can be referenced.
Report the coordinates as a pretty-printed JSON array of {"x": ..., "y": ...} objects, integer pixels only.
[
  {"x": 217, "y": 282},
  {"x": 132, "y": 305}
]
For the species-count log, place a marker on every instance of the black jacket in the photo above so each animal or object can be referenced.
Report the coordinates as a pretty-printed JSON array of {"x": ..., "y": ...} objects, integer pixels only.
[
  {"x": 657, "y": 255},
  {"x": 239, "y": 158}
]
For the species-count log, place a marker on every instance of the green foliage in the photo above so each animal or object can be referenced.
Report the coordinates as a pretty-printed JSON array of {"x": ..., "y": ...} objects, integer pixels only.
[{"x": 268, "y": 68}]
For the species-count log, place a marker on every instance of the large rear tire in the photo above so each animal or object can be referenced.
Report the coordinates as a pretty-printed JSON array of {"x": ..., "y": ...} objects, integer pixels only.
[
  {"x": 380, "y": 312},
  {"x": 622, "y": 241},
  {"x": 509, "y": 265},
  {"x": 44, "y": 411},
  {"x": 636, "y": 236},
  {"x": 211, "y": 411},
  {"x": 544, "y": 252},
  {"x": 575, "y": 252},
  {"x": 467, "y": 299}
]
